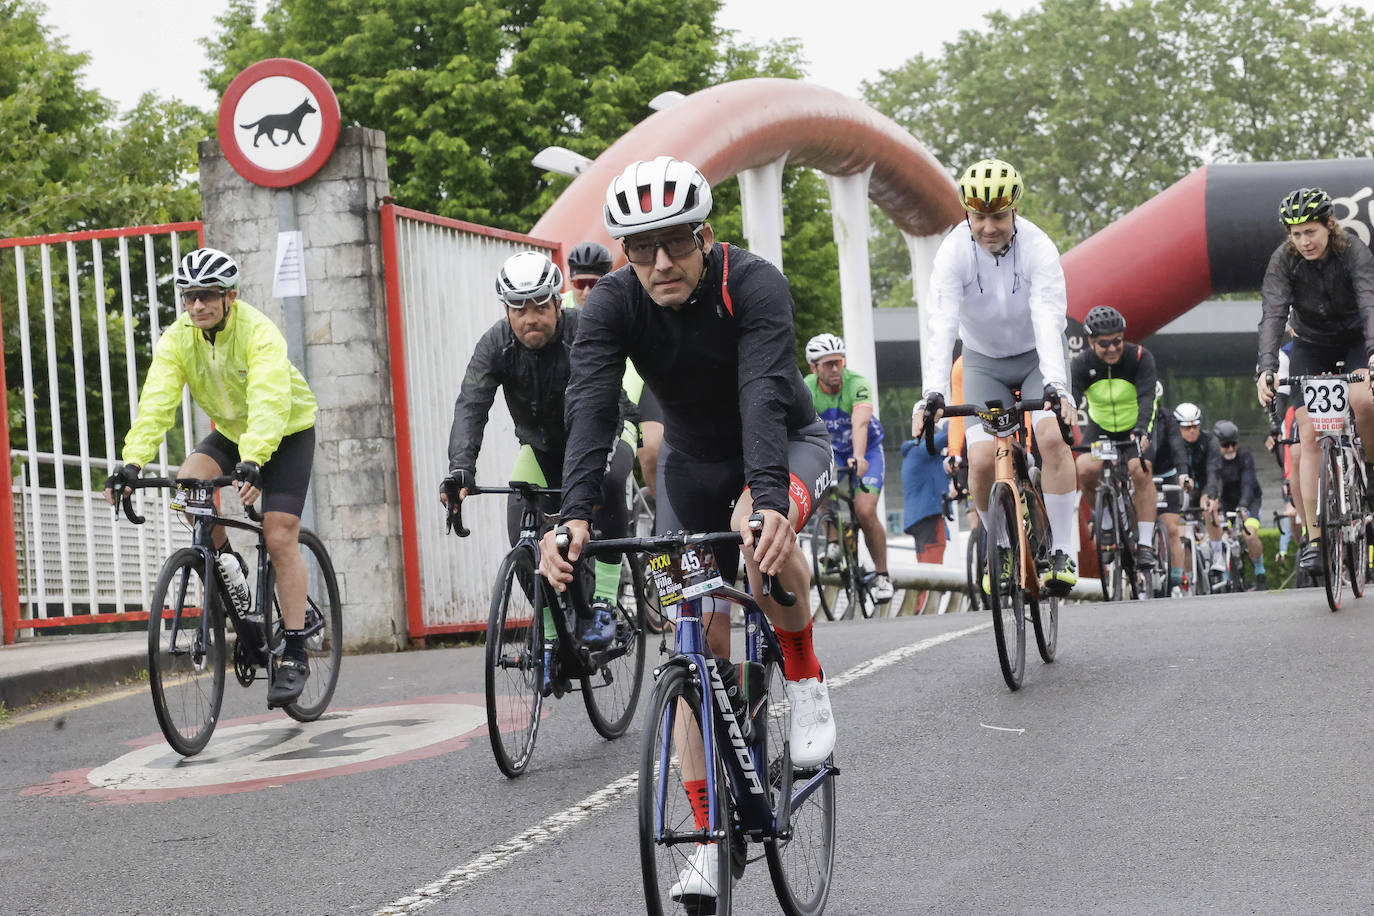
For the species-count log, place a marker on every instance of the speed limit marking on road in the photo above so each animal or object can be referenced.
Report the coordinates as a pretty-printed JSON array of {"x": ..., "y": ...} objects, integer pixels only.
[
  {"x": 278, "y": 122},
  {"x": 266, "y": 751}
]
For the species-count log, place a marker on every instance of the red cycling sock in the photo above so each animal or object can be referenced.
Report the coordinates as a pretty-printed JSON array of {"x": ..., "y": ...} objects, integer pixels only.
[
  {"x": 696, "y": 794},
  {"x": 799, "y": 660}
]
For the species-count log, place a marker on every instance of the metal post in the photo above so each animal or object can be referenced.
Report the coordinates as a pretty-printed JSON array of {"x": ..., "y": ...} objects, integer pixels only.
[
  {"x": 760, "y": 200},
  {"x": 293, "y": 323}
]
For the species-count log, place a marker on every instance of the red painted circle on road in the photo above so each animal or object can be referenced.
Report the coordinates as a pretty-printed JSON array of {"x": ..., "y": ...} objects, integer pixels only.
[{"x": 266, "y": 93}]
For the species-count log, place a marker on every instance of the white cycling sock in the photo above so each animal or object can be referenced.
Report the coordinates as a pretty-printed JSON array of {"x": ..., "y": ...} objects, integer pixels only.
[
  {"x": 1062, "y": 511},
  {"x": 1147, "y": 532}
]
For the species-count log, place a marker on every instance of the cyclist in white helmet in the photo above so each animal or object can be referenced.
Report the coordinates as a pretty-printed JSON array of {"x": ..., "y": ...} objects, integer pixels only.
[
  {"x": 844, "y": 401},
  {"x": 526, "y": 354},
  {"x": 234, "y": 360},
  {"x": 709, "y": 327},
  {"x": 997, "y": 286}
]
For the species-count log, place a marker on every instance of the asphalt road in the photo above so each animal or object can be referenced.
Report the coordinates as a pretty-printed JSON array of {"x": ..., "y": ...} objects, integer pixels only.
[{"x": 1199, "y": 755}]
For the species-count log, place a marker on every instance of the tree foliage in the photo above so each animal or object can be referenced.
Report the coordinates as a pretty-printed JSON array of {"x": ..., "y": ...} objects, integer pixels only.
[{"x": 1104, "y": 105}]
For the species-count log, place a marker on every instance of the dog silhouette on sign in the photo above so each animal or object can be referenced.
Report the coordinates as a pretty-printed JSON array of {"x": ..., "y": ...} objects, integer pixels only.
[{"x": 290, "y": 122}]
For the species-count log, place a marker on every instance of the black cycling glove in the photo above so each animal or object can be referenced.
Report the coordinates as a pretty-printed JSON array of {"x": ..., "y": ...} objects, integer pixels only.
[
  {"x": 248, "y": 472},
  {"x": 454, "y": 482},
  {"x": 122, "y": 476}
]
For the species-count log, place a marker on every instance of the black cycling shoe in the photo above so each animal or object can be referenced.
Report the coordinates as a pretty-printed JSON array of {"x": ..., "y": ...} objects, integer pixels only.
[
  {"x": 1145, "y": 558},
  {"x": 287, "y": 682},
  {"x": 1310, "y": 558}
]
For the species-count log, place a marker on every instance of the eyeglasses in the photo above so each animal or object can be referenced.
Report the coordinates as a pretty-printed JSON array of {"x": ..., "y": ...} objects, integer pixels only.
[
  {"x": 584, "y": 282},
  {"x": 645, "y": 251},
  {"x": 201, "y": 295},
  {"x": 1109, "y": 344},
  {"x": 538, "y": 304}
]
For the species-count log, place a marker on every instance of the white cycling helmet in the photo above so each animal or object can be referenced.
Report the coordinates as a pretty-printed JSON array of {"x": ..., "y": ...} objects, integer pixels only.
[
  {"x": 529, "y": 276},
  {"x": 1188, "y": 414},
  {"x": 823, "y": 345},
  {"x": 655, "y": 195},
  {"x": 207, "y": 268}
]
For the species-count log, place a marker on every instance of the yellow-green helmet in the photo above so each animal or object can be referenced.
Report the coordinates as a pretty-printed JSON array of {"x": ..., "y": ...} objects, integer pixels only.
[{"x": 990, "y": 186}]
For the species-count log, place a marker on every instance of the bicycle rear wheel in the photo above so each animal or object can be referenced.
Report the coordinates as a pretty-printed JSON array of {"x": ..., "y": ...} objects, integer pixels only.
[
  {"x": 515, "y": 661},
  {"x": 1330, "y": 524},
  {"x": 1044, "y": 609},
  {"x": 1160, "y": 576},
  {"x": 672, "y": 739},
  {"x": 974, "y": 564},
  {"x": 186, "y": 661},
  {"x": 800, "y": 865},
  {"x": 611, "y": 691},
  {"x": 1007, "y": 597},
  {"x": 323, "y": 627},
  {"x": 1108, "y": 545}
]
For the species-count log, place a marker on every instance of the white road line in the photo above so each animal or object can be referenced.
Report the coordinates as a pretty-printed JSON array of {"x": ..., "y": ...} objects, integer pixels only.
[{"x": 554, "y": 825}]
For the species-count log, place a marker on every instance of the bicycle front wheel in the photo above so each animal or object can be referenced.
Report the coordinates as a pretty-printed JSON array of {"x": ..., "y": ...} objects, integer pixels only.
[
  {"x": 1329, "y": 523},
  {"x": 515, "y": 661},
  {"x": 323, "y": 628},
  {"x": 1357, "y": 548},
  {"x": 1107, "y": 542},
  {"x": 611, "y": 692},
  {"x": 1163, "y": 561},
  {"x": 186, "y": 651},
  {"x": 675, "y": 869},
  {"x": 973, "y": 570},
  {"x": 800, "y": 865},
  {"x": 1004, "y": 583},
  {"x": 826, "y": 595},
  {"x": 1045, "y": 609}
]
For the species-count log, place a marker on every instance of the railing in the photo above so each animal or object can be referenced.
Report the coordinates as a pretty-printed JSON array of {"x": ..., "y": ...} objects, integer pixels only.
[
  {"x": 440, "y": 293},
  {"x": 74, "y": 393}
]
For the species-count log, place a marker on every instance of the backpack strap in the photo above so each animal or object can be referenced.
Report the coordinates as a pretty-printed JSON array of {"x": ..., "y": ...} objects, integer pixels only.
[{"x": 724, "y": 278}]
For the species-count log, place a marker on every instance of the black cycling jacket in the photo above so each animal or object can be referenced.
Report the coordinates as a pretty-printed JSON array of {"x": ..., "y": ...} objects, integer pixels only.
[
  {"x": 533, "y": 382},
  {"x": 1170, "y": 449},
  {"x": 1238, "y": 484},
  {"x": 723, "y": 368},
  {"x": 1328, "y": 301},
  {"x": 1120, "y": 397},
  {"x": 1203, "y": 462}
]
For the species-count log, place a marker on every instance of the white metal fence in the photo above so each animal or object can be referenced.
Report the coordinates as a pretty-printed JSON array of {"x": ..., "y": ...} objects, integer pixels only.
[
  {"x": 89, "y": 308},
  {"x": 443, "y": 291}
]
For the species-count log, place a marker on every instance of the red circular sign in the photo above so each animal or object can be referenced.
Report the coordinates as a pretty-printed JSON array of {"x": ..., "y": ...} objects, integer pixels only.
[{"x": 278, "y": 122}]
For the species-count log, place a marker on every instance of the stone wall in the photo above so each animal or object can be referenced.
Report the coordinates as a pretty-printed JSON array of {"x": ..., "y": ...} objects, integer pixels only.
[{"x": 355, "y": 490}]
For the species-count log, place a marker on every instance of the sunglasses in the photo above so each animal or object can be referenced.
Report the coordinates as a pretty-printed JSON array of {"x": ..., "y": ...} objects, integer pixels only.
[
  {"x": 1109, "y": 344},
  {"x": 201, "y": 295},
  {"x": 645, "y": 251},
  {"x": 1230, "y": 445},
  {"x": 538, "y": 304},
  {"x": 584, "y": 282},
  {"x": 996, "y": 205}
]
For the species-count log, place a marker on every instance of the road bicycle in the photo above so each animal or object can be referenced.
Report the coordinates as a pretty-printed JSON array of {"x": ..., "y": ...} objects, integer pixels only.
[
  {"x": 975, "y": 561},
  {"x": 1157, "y": 579},
  {"x": 754, "y": 792},
  {"x": 1342, "y": 512},
  {"x": 1019, "y": 540},
  {"x": 187, "y": 651},
  {"x": 1114, "y": 530},
  {"x": 1196, "y": 577},
  {"x": 835, "y": 518},
  {"x": 642, "y": 512},
  {"x": 525, "y": 662}
]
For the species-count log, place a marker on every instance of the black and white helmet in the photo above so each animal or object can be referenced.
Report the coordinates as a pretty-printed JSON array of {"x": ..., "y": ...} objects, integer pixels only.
[
  {"x": 207, "y": 268},
  {"x": 823, "y": 345},
  {"x": 1188, "y": 414},
  {"x": 655, "y": 195},
  {"x": 529, "y": 276}
]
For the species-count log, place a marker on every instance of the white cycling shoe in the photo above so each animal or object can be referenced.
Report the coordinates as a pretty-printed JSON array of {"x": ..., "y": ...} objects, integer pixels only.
[
  {"x": 696, "y": 883},
  {"x": 881, "y": 589},
  {"x": 812, "y": 732}
]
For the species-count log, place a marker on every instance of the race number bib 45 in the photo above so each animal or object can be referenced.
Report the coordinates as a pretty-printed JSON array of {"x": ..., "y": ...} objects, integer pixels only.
[
  {"x": 1327, "y": 402},
  {"x": 679, "y": 578}
]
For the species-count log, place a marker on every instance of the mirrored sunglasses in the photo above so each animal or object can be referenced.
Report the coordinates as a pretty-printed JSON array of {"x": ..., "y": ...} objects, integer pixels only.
[
  {"x": 541, "y": 303},
  {"x": 584, "y": 282},
  {"x": 1111, "y": 344}
]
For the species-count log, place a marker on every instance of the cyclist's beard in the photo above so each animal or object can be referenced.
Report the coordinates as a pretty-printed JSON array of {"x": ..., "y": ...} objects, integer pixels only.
[{"x": 211, "y": 332}]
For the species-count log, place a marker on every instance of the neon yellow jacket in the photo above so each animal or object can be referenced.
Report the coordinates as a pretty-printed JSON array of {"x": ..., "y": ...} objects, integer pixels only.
[{"x": 243, "y": 381}]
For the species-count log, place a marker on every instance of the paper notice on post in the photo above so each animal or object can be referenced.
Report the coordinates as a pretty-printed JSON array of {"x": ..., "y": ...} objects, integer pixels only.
[{"x": 289, "y": 278}]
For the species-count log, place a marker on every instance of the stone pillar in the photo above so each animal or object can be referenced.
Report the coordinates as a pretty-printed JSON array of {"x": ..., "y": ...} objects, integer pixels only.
[{"x": 354, "y": 484}]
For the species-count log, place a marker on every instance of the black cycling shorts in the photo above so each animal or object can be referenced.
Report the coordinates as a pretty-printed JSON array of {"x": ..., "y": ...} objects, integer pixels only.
[
  {"x": 285, "y": 476},
  {"x": 1309, "y": 358},
  {"x": 699, "y": 496}
]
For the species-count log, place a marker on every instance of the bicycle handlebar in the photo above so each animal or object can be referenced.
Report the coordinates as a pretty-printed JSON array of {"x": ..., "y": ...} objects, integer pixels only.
[
  {"x": 979, "y": 410},
  {"x": 453, "y": 515},
  {"x": 167, "y": 483}
]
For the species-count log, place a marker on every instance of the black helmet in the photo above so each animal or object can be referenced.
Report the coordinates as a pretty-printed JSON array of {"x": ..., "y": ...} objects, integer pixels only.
[
  {"x": 589, "y": 258},
  {"x": 1104, "y": 319},
  {"x": 1226, "y": 432},
  {"x": 1305, "y": 205}
]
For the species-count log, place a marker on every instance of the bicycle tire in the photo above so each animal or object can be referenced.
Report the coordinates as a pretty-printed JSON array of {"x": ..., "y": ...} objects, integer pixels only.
[
  {"x": 819, "y": 539},
  {"x": 802, "y": 865},
  {"x": 1163, "y": 560},
  {"x": 973, "y": 566},
  {"x": 1123, "y": 514},
  {"x": 186, "y": 680},
  {"x": 514, "y": 659},
  {"x": 1357, "y": 548},
  {"x": 1106, "y": 556},
  {"x": 324, "y": 646},
  {"x": 859, "y": 577},
  {"x": 1008, "y": 608},
  {"x": 678, "y": 693},
  {"x": 1329, "y": 523},
  {"x": 611, "y": 692},
  {"x": 1044, "y": 608}
]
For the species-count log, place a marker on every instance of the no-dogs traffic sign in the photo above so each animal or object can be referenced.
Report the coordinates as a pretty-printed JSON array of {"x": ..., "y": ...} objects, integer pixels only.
[{"x": 278, "y": 122}]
